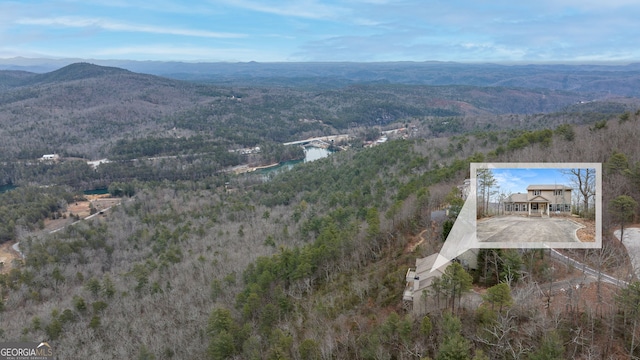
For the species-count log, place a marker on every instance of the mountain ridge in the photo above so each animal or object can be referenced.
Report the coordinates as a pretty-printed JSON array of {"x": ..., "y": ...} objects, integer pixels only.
[
  {"x": 77, "y": 71},
  {"x": 622, "y": 80}
]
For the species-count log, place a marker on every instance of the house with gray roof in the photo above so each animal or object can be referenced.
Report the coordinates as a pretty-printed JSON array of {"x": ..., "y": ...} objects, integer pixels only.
[
  {"x": 418, "y": 295},
  {"x": 540, "y": 200}
]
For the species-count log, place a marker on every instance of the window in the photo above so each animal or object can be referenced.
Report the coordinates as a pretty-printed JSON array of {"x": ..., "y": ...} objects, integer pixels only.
[
  {"x": 537, "y": 192},
  {"x": 557, "y": 192},
  {"x": 520, "y": 207}
]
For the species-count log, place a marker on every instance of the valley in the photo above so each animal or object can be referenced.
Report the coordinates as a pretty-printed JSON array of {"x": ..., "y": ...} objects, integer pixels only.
[{"x": 204, "y": 260}]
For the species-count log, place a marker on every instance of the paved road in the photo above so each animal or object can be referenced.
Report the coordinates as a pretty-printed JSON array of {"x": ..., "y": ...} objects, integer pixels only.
[
  {"x": 631, "y": 242},
  {"x": 517, "y": 229},
  {"x": 588, "y": 270}
]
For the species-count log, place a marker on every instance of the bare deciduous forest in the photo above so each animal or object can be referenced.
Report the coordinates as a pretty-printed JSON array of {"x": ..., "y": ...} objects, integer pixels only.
[{"x": 310, "y": 264}]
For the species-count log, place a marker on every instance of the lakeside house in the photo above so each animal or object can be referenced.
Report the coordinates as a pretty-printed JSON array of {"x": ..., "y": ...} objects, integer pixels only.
[{"x": 540, "y": 200}]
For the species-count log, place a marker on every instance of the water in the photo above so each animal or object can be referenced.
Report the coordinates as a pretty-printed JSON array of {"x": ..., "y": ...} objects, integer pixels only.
[
  {"x": 310, "y": 154},
  {"x": 314, "y": 153},
  {"x": 101, "y": 191},
  {"x": 5, "y": 188}
]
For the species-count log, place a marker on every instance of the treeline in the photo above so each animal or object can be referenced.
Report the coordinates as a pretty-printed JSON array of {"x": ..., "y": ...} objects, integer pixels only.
[
  {"x": 126, "y": 149},
  {"x": 79, "y": 175},
  {"x": 367, "y": 181},
  {"x": 145, "y": 160},
  {"x": 199, "y": 146}
]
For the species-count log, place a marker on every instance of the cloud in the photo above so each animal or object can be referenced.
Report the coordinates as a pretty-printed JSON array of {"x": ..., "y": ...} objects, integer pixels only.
[
  {"x": 591, "y": 5},
  {"x": 310, "y": 9},
  {"x": 366, "y": 22},
  {"x": 105, "y": 24},
  {"x": 504, "y": 31},
  {"x": 342, "y": 30},
  {"x": 158, "y": 6},
  {"x": 509, "y": 182}
]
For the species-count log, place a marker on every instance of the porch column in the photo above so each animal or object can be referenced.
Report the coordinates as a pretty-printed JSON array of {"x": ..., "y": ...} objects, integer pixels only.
[{"x": 529, "y": 208}]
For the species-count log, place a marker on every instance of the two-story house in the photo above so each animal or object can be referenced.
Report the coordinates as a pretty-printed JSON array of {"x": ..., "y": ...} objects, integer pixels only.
[{"x": 540, "y": 200}]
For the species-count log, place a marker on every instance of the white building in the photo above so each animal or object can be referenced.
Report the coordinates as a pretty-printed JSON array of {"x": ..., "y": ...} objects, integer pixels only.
[{"x": 50, "y": 157}]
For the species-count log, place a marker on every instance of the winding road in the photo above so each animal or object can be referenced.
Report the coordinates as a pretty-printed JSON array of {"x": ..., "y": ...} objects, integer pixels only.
[
  {"x": 588, "y": 270},
  {"x": 16, "y": 246}
]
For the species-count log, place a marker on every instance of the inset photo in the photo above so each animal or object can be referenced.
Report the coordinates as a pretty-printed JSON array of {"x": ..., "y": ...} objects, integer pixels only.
[{"x": 538, "y": 205}]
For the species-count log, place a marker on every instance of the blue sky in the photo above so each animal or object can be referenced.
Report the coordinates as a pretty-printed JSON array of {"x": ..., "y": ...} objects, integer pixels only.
[
  {"x": 512, "y": 181},
  {"x": 583, "y": 31}
]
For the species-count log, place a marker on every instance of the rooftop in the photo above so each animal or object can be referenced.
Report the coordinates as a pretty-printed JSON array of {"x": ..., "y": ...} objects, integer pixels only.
[{"x": 548, "y": 187}]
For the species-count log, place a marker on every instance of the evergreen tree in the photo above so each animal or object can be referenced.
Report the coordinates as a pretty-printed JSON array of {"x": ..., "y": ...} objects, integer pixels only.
[
  {"x": 622, "y": 208},
  {"x": 453, "y": 346},
  {"x": 499, "y": 295},
  {"x": 550, "y": 349},
  {"x": 456, "y": 281}
]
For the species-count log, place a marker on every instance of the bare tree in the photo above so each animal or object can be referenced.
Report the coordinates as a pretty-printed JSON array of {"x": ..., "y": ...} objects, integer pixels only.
[
  {"x": 485, "y": 182},
  {"x": 585, "y": 182}
]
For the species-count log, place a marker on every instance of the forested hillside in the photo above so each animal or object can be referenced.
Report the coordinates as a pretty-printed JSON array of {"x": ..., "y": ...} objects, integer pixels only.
[
  {"x": 199, "y": 262},
  {"x": 152, "y": 128},
  {"x": 83, "y": 110},
  {"x": 308, "y": 265}
]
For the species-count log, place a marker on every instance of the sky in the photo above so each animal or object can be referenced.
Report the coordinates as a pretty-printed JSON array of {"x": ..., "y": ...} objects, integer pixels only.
[
  {"x": 499, "y": 31},
  {"x": 513, "y": 181}
]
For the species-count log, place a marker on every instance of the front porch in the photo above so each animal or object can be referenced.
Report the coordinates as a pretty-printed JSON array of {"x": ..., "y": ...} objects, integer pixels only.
[
  {"x": 534, "y": 208},
  {"x": 538, "y": 208}
]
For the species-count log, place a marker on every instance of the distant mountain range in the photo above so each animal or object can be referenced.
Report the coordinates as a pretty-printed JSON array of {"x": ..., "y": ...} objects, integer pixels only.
[
  {"x": 83, "y": 109},
  {"x": 618, "y": 80}
]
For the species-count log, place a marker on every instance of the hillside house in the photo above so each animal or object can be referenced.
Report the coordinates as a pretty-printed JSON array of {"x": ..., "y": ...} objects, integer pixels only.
[
  {"x": 540, "y": 200},
  {"x": 418, "y": 295},
  {"x": 50, "y": 157}
]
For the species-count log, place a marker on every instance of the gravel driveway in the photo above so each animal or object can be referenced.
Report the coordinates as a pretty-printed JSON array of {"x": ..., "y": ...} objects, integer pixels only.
[{"x": 518, "y": 229}]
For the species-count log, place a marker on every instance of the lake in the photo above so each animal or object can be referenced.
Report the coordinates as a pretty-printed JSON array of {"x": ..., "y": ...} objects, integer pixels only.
[
  {"x": 100, "y": 191},
  {"x": 5, "y": 188},
  {"x": 310, "y": 154}
]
